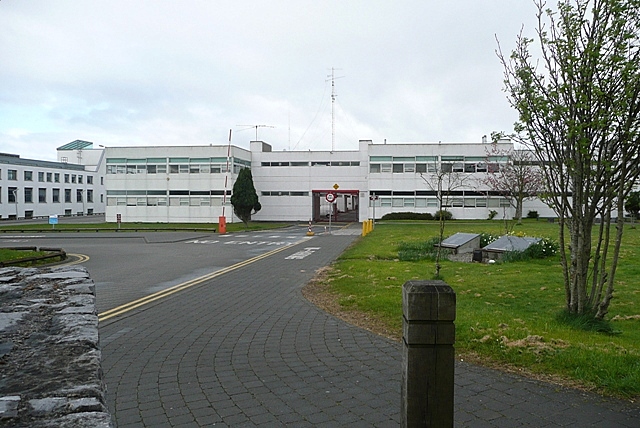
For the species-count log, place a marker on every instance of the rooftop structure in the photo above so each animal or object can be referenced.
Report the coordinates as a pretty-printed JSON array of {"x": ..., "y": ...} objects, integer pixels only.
[{"x": 77, "y": 145}]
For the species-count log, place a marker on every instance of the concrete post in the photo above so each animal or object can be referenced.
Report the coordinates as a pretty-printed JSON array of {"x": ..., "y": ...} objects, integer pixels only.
[{"x": 429, "y": 309}]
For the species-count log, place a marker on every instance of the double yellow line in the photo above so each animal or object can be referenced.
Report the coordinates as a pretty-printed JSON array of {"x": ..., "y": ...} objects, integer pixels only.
[
  {"x": 171, "y": 290},
  {"x": 81, "y": 258}
]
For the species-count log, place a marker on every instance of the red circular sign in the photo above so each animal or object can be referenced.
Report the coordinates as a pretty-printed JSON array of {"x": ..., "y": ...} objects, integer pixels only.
[{"x": 330, "y": 197}]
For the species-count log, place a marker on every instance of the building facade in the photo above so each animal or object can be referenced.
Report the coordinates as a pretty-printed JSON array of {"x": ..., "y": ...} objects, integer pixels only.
[
  {"x": 185, "y": 184},
  {"x": 194, "y": 183},
  {"x": 33, "y": 188}
]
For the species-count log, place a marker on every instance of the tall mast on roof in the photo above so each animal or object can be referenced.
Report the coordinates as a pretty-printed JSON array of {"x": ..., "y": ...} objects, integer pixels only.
[{"x": 333, "y": 100}]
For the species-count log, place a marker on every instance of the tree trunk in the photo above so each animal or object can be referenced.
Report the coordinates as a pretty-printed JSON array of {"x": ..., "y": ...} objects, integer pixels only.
[
  {"x": 603, "y": 306},
  {"x": 519, "y": 202}
]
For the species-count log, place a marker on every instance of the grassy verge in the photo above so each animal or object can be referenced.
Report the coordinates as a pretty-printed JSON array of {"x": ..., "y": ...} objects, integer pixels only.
[
  {"x": 7, "y": 255},
  {"x": 507, "y": 313},
  {"x": 113, "y": 227}
]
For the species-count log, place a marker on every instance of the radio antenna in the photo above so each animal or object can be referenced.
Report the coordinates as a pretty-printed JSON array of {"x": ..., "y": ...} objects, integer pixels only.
[
  {"x": 333, "y": 100},
  {"x": 256, "y": 127}
]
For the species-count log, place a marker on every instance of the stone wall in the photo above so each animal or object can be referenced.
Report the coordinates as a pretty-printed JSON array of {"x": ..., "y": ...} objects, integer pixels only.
[{"x": 50, "y": 369}]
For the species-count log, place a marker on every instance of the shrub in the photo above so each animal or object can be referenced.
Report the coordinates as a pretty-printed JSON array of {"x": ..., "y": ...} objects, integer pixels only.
[
  {"x": 407, "y": 216},
  {"x": 533, "y": 214},
  {"x": 443, "y": 214},
  {"x": 492, "y": 214},
  {"x": 486, "y": 239}
]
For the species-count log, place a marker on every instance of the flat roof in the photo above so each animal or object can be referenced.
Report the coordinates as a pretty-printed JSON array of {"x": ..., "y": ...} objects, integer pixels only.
[
  {"x": 459, "y": 239},
  {"x": 14, "y": 160}
]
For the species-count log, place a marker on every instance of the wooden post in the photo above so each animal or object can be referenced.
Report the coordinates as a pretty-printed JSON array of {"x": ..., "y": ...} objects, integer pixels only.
[{"x": 429, "y": 309}]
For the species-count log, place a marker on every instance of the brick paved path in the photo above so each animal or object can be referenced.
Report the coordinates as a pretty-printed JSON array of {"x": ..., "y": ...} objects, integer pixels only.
[{"x": 246, "y": 349}]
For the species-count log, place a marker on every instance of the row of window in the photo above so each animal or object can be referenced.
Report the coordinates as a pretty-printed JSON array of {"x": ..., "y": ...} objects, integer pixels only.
[
  {"x": 278, "y": 193},
  {"x": 313, "y": 163},
  {"x": 446, "y": 203},
  {"x": 436, "y": 159},
  {"x": 48, "y": 177},
  {"x": 167, "y": 192},
  {"x": 172, "y": 169},
  {"x": 432, "y": 167},
  {"x": 395, "y": 202},
  {"x": 164, "y": 161},
  {"x": 163, "y": 201},
  {"x": 29, "y": 195}
]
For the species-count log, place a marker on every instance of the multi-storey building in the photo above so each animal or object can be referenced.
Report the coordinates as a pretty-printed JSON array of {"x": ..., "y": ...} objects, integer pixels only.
[
  {"x": 194, "y": 184},
  {"x": 171, "y": 184},
  {"x": 33, "y": 188}
]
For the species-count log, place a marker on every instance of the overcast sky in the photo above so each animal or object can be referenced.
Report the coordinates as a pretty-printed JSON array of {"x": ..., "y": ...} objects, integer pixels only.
[{"x": 185, "y": 72}]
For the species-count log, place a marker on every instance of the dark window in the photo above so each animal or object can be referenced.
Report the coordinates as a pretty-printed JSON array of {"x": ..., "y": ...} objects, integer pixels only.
[{"x": 13, "y": 195}]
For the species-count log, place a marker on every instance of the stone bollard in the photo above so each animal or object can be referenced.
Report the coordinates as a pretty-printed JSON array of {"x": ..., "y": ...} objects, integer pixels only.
[{"x": 429, "y": 309}]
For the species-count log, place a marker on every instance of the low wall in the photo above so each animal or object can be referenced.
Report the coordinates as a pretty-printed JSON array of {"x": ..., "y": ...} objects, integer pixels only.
[{"x": 50, "y": 359}]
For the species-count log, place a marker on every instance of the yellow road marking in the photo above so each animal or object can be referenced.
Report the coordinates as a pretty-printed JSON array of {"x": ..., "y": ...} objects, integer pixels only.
[
  {"x": 179, "y": 287},
  {"x": 81, "y": 259}
]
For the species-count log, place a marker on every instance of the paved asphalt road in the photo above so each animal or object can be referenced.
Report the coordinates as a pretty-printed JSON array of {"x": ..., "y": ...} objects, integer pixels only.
[
  {"x": 126, "y": 265},
  {"x": 241, "y": 347}
]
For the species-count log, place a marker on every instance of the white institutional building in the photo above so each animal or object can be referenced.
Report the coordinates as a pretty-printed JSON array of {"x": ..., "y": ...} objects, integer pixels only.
[
  {"x": 34, "y": 188},
  {"x": 187, "y": 184},
  {"x": 193, "y": 184}
]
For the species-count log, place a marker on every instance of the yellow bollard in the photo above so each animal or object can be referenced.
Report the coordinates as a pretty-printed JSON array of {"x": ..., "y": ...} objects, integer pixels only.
[{"x": 364, "y": 228}]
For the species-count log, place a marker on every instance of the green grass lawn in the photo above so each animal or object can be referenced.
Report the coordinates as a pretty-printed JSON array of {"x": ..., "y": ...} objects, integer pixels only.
[
  {"x": 506, "y": 312},
  {"x": 7, "y": 255}
]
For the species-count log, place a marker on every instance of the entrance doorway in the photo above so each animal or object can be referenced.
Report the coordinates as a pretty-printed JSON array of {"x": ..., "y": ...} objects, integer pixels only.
[{"x": 344, "y": 208}]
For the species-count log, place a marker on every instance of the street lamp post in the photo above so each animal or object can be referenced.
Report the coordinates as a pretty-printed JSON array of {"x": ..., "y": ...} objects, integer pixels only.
[{"x": 15, "y": 198}]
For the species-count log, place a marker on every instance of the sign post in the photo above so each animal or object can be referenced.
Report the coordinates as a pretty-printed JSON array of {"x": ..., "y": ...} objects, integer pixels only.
[
  {"x": 373, "y": 199},
  {"x": 119, "y": 219},
  {"x": 53, "y": 220},
  {"x": 331, "y": 197}
]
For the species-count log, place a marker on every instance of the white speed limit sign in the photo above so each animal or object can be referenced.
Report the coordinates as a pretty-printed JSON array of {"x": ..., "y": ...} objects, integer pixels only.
[{"x": 330, "y": 197}]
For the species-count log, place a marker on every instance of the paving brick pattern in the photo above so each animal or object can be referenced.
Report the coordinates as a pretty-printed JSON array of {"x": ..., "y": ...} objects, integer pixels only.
[{"x": 246, "y": 349}]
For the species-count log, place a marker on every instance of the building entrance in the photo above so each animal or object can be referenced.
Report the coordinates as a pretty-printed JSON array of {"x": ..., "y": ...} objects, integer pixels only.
[{"x": 344, "y": 207}]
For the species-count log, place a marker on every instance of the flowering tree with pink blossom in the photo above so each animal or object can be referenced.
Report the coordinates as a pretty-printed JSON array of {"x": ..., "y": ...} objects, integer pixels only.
[{"x": 516, "y": 179}]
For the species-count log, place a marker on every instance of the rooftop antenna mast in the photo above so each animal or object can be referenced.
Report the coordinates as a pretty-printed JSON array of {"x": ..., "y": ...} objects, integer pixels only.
[
  {"x": 333, "y": 100},
  {"x": 256, "y": 127}
]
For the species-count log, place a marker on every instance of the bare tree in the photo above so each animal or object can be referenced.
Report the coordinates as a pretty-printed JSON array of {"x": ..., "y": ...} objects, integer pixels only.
[
  {"x": 517, "y": 178},
  {"x": 580, "y": 114},
  {"x": 441, "y": 179}
]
